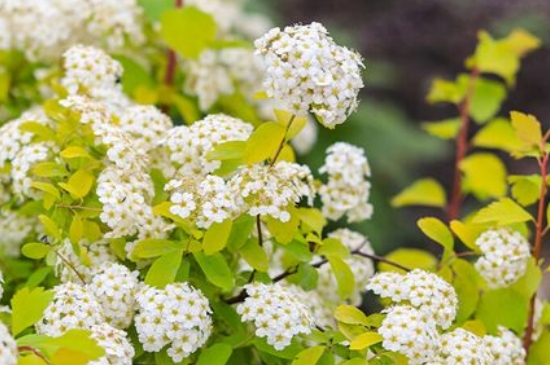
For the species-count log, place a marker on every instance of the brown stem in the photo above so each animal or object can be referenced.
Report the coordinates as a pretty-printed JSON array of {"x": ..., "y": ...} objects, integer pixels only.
[
  {"x": 380, "y": 259},
  {"x": 282, "y": 144},
  {"x": 71, "y": 266},
  {"x": 527, "y": 338},
  {"x": 171, "y": 62},
  {"x": 259, "y": 228},
  {"x": 461, "y": 147},
  {"x": 33, "y": 351}
]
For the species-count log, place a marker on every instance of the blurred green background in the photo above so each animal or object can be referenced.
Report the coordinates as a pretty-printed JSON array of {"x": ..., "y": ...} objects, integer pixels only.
[{"x": 405, "y": 44}]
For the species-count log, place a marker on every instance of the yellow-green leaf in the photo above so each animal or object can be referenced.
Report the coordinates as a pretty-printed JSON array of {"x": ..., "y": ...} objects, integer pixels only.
[
  {"x": 411, "y": 258},
  {"x": 47, "y": 188},
  {"x": 527, "y": 128},
  {"x": 215, "y": 237},
  {"x": 76, "y": 230},
  {"x": 502, "y": 213},
  {"x": 484, "y": 176},
  {"x": 264, "y": 142},
  {"x": 313, "y": 218},
  {"x": 445, "y": 129},
  {"x": 164, "y": 270},
  {"x": 365, "y": 340},
  {"x": 498, "y": 134},
  {"x": 344, "y": 277},
  {"x": 437, "y": 231},
  {"x": 28, "y": 307},
  {"x": 50, "y": 226},
  {"x": 284, "y": 232},
  {"x": 468, "y": 233},
  {"x": 351, "y": 315},
  {"x": 231, "y": 150},
  {"x": 255, "y": 255},
  {"x": 298, "y": 123},
  {"x": 426, "y": 192},
  {"x": 446, "y": 91},
  {"x": 79, "y": 184},
  {"x": 309, "y": 356},
  {"x": 74, "y": 152},
  {"x": 35, "y": 250},
  {"x": 525, "y": 188}
]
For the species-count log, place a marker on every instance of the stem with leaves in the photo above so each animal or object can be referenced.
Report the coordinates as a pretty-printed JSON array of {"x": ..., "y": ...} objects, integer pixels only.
[
  {"x": 539, "y": 233},
  {"x": 34, "y": 351},
  {"x": 461, "y": 146},
  {"x": 283, "y": 140},
  {"x": 171, "y": 62}
]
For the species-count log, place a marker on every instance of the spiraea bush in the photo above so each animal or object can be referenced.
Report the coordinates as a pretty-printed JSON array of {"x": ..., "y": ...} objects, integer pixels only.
[{"x": 153, "y": 210}]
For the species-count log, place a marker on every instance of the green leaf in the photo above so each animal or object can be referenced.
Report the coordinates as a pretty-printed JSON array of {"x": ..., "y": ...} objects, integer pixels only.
[
  {"x": 355, "y": 361},
  {"x": 307, "y": 277},
  {"x": 217, "y": 354},
  {"x": 28, "y": 307},
  {"x": 216, "y": 270},
  {"x": 445, "y": 129},
  {"x": 525, "y": 188},
  {"x": 502, "y": 213},
  {"x": 498, "y": 134},
  {"x": 164, "y": 270},
  {"x": 484, "y": 176},
  {"x": 255, "y": 255},
  {"x": 215, "y": 238},
  {"x": 529, "y": 283},
  {"x": 313, "y": 218},
  {"x": 365, "y": 340},
  {"x": 486, "y": 100},
  {"x": 287, "y": 353},
  {"x": 446, "y": 91},
  {"x": 74, "y": 152},
  {"x": 351, "y": 315},
  {"x": 309, "y": 356},
  {"x": 426, "y": 192},
  {"x": 465, "y": 282},
  {"x": 231, "y": 150},
  {"x": 344, "y": 277},
  {"x": 188, "y": 30},
  {"x": 50, "y": 226},
  {"x": 298, "y": 123},
  {"x": 75, "y": 344},
  {"x": 47, "y": 188},
  {"x": 135, "y": 75},
  {"x": 493, "y": 313},
  {"x": 38, "y": 276},
  {"x": 411, "y": 258},
  {"x": 240, "y": 231},
  {"x": 49, "y": 169},
  {"x": 153, "y": 9},
  {"x": 35, "y": 250},
  {"x": 468, "y": 233},
  {"x": 538, "y": 353},
  {"x": 79, "y": 184},
  {"x": 149, "y": 248},
  {"x": 284, "y": 232},
  {"x": 39, "y": 130},
  {"x": 333, "y": 247},
  {"x": 299, "y": 250},
  {"x": 437, "y": 231},
  {"x": 264, "y": 142},
  {"x": 527, "y": 129}
]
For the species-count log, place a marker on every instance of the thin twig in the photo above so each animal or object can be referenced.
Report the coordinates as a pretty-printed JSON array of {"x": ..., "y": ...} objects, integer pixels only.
[
  {"x": 71, "y": 266},
  {"x": 34, "y": 352},
  {"x": 282, "y": 144},
  {"x": 380, "y": 259}
]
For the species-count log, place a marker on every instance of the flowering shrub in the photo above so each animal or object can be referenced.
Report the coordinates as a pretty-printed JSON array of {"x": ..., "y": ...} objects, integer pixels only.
[{"x": 153, "y": 210}]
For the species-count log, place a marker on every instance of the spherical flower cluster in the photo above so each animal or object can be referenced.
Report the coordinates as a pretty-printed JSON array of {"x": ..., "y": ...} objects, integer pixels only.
[
  {"x": 347, "y": 190},
  {"x": 425, "y": 291},
  {"x": 219, "y": 72},
  {"x": 72, "y": 307},
  {"x": 505, "y": 255},
  {"x": 98, "y": 253},
  {"x": 145, "y": 124},
  {"x": 118, "y": 349},
  {"x": 308, "y": 72},
  {"x": 188, "y": 146},
  {"x": 506, "y": 348},
  {"x": 276, "y": 313},
  {"x": 460, "y": 347},
  {"x": 270, "y": 190},
  {"x": 8, "y": 347},
  {"x": 100, "y": 22},
  {"x": 204, "y": 202},
  {"x": 361, "y": 267},
  {"x": 14, "y": 228},
  {"x": 409, "y": 331},
  {"x": 115, "y": 287},
  {"x": 178, "y": 316}
]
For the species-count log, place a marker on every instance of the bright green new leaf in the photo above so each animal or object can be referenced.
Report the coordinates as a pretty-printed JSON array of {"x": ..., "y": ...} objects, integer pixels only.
[
  {"x": 76, "y": 230},
  {"x": 525, "y": 188},
  {"x": 484, "y": 176},
  {"x": 30, "y": 359},
  {"x": 465, "y": 282},
  {"x": 74, "y": 152},
  {"x": 298, "y": 123},
  {"x": 437, "y": 231},
  {"x": 538, "y": 353},
  {"x": 284, "y": 232},
  {"x": 333, "y": 247},
  {"x": 79, "y": 184},
  {"x": 426, "y": 192},
  {"x": 47, "y": 188},
  {"x": 216, "y": 270},
  {"x": 188, "y": 30},
  {"x": 355, "y": 361},
  {"x": 498, "y": 134},
  {"x": 486, "y": 100},
  {"x": 309, "y": 356},
  {"x": 255, "y": 255},
  {"x": 35, "y": 250},
  {"x": 288, "y": 353},
  {"x": 351, "y": 315},
  {"x": 502, "y": 213},
  {"x": 79, "y": 342},
  {"x": 445, "y": 129},
  {"x": 50, "y": 226},
  {"x": 264, "y": 142},
  {"x": 232, "y": 150},
  {"x": 135, "y": 75},
  {"x": 468, "y": 233},
  {"x": 215, "y": 238},
  {"x": 153, "y": 9},
  {"x": 307, "y": 277},
  {"x": 512, "y": 315},
  {"x": 476, "y": 327},
  {"x": 527, "y": 129},
  {"x": 150, "y": 248},
  {"x": 365, "y": 340},
  {"x": 240, "y": 231},
  {"x": 49, "y": 169},
  {"x": 446, "y": 91},
  {"x": 164, "y": 270},
  {"x": 28, "y": 307},
  {"x": 217, "y": 354},
  {"x": 344, "y": 277},
  {"x": 42, "y": 132},
  {"x": 410, "y": 258},
  {"x": 299, "y": 250},
  {"x": 313, "y": 218},
  {"x": 38, "y": 276},
  {"x": 529, "y": 283}
]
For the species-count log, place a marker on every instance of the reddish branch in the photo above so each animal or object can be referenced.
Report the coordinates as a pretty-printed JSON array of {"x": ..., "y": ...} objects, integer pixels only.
[
  {"x": 543, "y": 164},
  {"x": 171, "y": 61},
  {"x": 462, "y": 146},
  {"x": 34, "y": 352}
]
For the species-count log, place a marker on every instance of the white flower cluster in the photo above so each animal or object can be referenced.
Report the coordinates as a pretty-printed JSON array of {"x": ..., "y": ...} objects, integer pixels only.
[
  {"x": 347, "y": 190},
  {"x": 222, "y": 72},
  {"x": 178, "y": 316},
  {"x": 97, "y": 254},
  {"x": 146, "y": 125},
  {"x": 410, "y": 332},
  {"x": 270, "y": 190},
  {"x": 506, "y": 348},
  {"x": 361, "y": 267},
  {"x": 204, "y": 201},
  {"x": 460, "y": 347},
  {"x": 115, "y": 288},
  {"x": 72, "y": 307},
  {"x": 106, "y": 23},
  {"x": 276, "y": 313},
  {"x": 423, "y": 290},
  {"x": 14, "y": 227},
  {"x": 308, "y": 72},
  {"x": 118, "y": 349},
  {"x": 505, "y": 256},
  {"x": 188, "y": 146},
  {"x": 321, "y": 314},
  {"x": 28, "y": 157},
  {"x": 8, "y": 347}
]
